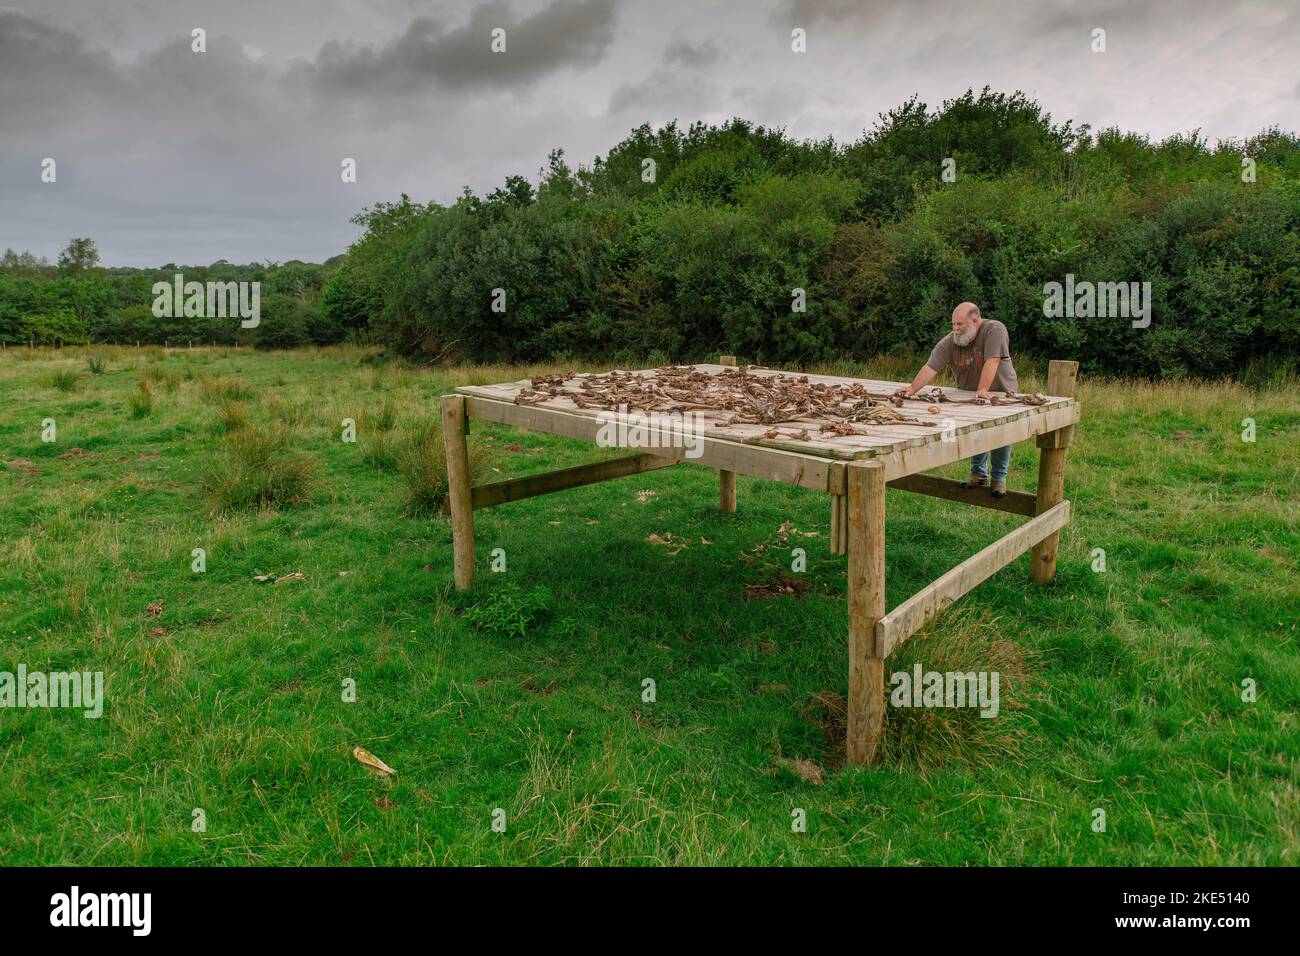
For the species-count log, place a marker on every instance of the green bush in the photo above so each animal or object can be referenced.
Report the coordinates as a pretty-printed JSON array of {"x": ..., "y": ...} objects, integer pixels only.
[
  {"x": 706, "y": 255},
  {"x": 283, "y": 323}
]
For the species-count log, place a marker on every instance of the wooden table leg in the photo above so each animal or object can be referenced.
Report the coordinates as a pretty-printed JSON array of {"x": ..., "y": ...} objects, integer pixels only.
[
  {"x": 727, "y": 479},
  {"x": 1061, "y": 378},
  {"x": 866, "y": 580},
  {"x": 458, "y": 489}
]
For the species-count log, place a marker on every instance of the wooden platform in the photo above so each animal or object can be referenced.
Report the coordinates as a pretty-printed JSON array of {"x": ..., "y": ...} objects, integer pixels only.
[
  {"x": 854, "y": 469},
  {"x": 957, "y": 431}
]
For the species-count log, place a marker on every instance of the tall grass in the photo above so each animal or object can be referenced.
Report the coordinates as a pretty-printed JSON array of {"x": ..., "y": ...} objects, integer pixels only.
[
  {"x": 257, "y": 468},
  {"x": 65, "y": 380},
  {"x": 422, "y": 466},
  {"x": 140, "y": 400},
  {"x": 165, "y": 377},
  {"x": 231, "y": 416},
  {"x": 224, "y": 388}
]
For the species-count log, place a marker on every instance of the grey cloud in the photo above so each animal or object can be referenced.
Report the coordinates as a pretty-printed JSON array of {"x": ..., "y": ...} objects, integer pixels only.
[
  {"x": 41, "y": 66},
  {"x": 568, "y": 33},
  {"x": 164, "y": 154},
  {"x": 684, "y": 53}
]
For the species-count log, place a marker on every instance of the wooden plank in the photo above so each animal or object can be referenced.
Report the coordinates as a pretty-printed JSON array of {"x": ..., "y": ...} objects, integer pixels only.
[
  {"x": 517, "y": 489},
  {"x": 1016, "y": 502},
  {"x": 903, "y": 621},
  {"x": 806, "y": 471},
  {"x": 842, "y": 545},
  {"x": 866, "y": 586},
  {"x": 727, "y": 479},
  {"x": 837, "y": 506},
  {"x": 458, "y": 489},
  {"x": 1061, "y": 376},
  {"x": 973, "y": 440}
]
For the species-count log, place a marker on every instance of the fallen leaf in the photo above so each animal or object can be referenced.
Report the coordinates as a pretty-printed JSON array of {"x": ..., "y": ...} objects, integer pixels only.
[
  {"x": 675, "y": 546},
  {"x": 153, "y": 610},
  {"x": 805, "y": 770},
  {"x": 263, "y": 578},
  {"x": 372, "y": 762},
  {"x": 296, "y": 576},
  {"x": 644, "y": 496},
  {"x": 781, "y": 586}
]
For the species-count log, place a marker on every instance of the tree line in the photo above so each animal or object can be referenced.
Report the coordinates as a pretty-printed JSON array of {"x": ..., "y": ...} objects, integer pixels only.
[{"x": 683, "y": 243}]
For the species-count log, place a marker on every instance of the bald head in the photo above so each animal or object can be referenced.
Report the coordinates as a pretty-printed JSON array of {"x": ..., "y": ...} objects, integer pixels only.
[{"x": 965, "y": 323}]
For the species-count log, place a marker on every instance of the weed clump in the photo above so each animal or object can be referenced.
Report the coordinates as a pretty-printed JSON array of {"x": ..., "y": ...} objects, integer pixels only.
[
  {"x": 510, "y": 612},
  {"x": 257, "y": 468},
  {"x": 421, "y": 463},
  {"x": 140, "y": 400}
]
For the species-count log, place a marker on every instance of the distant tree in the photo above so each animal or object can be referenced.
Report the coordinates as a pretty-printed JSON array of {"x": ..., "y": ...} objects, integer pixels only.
[
  {"x": 23, "y": 261},
  {"x": 79, "y": 256}
]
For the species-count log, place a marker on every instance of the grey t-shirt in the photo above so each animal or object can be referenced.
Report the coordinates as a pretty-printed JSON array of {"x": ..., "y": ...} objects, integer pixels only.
[{"x": 991, "y": 341}]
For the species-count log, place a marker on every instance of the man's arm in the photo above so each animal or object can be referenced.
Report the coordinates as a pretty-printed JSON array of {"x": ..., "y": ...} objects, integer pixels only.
[
  {"x": 923, "y": 378},
  {"x": 987, "y": 374}
]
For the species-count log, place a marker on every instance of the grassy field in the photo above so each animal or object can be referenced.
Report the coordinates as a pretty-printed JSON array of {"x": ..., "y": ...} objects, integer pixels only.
[{"x": 1122, "y": 690}]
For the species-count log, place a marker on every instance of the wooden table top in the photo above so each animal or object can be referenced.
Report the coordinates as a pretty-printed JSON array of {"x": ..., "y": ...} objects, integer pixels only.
[{"x": 876, "y": 441}]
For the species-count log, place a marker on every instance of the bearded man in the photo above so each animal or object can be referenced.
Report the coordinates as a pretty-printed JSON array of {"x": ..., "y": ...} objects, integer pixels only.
[{"x": 978, "y": 350}]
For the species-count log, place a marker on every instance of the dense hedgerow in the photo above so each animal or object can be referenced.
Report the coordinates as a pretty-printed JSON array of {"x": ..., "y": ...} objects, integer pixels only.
[{"x": 712, "y": 249}]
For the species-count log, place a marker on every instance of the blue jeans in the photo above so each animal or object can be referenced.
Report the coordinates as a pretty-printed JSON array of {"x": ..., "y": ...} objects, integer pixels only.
[{"x": 979, "y": 464}]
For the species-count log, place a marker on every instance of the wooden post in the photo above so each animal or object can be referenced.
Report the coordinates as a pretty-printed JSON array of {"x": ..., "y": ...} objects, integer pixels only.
[
  {"x": 866, "y": 580},
  {"x": 837, "y": 484},
  {"x": 1061, "y": 379},
  {"x": 458, "y": 488},
  {"x": 727, "y": 479}
]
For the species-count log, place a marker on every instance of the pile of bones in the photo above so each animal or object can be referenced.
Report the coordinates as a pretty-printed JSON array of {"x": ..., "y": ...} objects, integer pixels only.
[{"x": 768, "y": 399}]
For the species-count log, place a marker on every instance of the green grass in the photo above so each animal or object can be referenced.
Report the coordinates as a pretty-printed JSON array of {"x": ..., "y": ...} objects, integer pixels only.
[{"x": 1121, "y": 691}]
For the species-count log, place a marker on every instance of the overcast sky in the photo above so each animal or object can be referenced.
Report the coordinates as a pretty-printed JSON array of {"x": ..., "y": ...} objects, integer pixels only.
[{"x": 167, "y": 155}]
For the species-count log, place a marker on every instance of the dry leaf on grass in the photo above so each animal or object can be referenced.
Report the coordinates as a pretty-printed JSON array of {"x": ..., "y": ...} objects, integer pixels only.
[
  {"x": 781, "y": 586},
  {"x": 371, "y": 762},
  {"x": 805, "y": 770},
  {"x": 644, "y": 496},
  {"x": 674, "y": 544},
  {"x": 153, "y": 610},
  {"x": 296, "y": 576},
  {"x": 787, "y": 528}
]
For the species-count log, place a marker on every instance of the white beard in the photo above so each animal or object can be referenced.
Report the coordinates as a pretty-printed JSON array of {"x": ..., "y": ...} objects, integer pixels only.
[{"x": 964, "y": 338}]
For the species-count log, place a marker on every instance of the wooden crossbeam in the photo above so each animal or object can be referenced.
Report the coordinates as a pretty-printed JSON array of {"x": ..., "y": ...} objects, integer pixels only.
[
  {"x": 517, "y": 489},
  {"x": 1016, "y": 502},
  {"x": 904, "y": 621},
  {"x": 807, "y": 471}
]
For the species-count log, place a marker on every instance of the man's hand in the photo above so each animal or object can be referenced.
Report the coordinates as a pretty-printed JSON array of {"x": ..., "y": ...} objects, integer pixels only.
[
  {"x": 984, "y": 394},
  {"x": 904, "y": 393}
]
